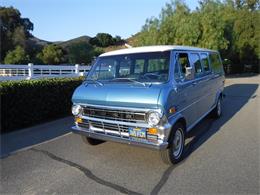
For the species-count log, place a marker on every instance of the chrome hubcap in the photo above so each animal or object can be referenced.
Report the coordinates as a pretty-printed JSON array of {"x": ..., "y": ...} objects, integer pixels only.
[{"x": 178, "y": 143}]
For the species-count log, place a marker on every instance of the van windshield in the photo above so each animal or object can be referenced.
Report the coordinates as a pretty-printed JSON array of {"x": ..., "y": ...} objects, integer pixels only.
[{"x": 138, "y": 67}]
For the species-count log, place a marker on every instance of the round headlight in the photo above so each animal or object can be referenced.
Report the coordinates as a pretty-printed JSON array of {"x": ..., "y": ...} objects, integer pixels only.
[
  {"x": 76, "y": 109},
  {"x": 153, "y": 118}
]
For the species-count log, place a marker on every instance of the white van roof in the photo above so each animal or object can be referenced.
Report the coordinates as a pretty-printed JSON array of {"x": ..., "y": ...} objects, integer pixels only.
[{"x": 157, "y": 48}]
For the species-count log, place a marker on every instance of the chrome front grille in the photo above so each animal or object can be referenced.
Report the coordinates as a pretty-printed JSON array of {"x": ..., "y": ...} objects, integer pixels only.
[
  {"x": 116, "y": 115},
  {"x": 106, "y": 128},
  {"x": 109, "y": 126}
]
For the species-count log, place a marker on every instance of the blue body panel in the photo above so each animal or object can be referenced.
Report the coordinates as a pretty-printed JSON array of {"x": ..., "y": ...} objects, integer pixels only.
[{"x": 122, "y": 95}]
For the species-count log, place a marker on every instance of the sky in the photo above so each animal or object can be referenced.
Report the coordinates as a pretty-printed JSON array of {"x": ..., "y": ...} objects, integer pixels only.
[{"x": 61, "y": 20}]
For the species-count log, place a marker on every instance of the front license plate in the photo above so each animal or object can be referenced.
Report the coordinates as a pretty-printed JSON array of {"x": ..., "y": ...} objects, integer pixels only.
[{"x": 137, "y": 132}]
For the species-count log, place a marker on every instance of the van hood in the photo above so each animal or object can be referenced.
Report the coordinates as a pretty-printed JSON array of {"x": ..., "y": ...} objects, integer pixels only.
[{"x": 121, "y": 95}]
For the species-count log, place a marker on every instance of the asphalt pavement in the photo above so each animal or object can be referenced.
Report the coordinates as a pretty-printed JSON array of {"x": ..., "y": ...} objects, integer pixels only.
[{"x": 222, "y": 156}]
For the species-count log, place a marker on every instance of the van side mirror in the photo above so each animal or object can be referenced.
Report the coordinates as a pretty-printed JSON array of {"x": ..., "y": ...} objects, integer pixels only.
[{"x": 189, "y": 73}]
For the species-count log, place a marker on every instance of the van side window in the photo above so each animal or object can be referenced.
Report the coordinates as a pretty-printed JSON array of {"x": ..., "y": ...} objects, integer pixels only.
[
  {"x": 195, "y": 60},
  {"x": 205, "y": 62},
  {"x": 215, "y": 63},
  {"x": 182, "y": 71},
  {"x": 177, "y": 70},
  {"x": 183, "y": 61}
]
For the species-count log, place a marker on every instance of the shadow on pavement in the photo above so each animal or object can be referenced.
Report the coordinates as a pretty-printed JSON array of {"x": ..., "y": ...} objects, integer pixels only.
[{"x": 238, "y": 95}]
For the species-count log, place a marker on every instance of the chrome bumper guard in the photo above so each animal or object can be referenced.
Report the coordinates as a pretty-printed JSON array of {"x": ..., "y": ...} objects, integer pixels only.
[
  {"x": 147, "y": 144},
  {"x": 120, "y": 137}
]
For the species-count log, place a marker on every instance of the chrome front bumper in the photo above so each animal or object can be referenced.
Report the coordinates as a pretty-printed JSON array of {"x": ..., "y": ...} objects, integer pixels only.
[{"x": 125, "y": 140}]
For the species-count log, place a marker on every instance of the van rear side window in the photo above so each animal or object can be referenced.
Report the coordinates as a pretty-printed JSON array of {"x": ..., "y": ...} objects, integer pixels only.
[
  {"x": 215, "y": 62},
  {"x": 195, "y": 59},
  {"x": 205, "y": 62}
]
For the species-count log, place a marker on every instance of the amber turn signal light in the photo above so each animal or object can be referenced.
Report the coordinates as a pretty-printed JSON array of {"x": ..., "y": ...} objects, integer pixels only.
[
  {"x": 153, "y": 131},
  {"x": 78, "y": 120},
  {"x": 172, "y": 110}
]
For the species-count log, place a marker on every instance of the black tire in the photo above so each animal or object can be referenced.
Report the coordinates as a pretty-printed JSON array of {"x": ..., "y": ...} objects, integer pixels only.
[
  {"x": 168, "y": 155},
  {"x": 91, "y": 141},
  {"x": 217, "y": 111}
]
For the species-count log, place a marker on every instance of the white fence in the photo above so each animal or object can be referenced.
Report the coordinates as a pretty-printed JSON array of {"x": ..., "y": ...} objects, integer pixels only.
[{"x": 30, "y": 71}]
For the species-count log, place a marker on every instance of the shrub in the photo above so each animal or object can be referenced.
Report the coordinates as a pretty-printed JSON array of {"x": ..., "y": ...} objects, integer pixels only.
[
  {"x": 17, "y": 56},
  {"x": 25, "y": 103}
]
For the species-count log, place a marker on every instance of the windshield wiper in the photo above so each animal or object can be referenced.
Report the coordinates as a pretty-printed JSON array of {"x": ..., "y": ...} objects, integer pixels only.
[
  {"x": 128, "y": 79},
  {"x": 94, "y": 81}
]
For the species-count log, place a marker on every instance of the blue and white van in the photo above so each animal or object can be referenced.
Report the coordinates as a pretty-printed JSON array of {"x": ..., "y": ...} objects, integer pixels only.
[{"x": 149, "y": 97}]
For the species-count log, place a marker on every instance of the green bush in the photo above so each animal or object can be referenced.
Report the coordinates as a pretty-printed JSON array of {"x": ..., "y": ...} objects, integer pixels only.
[{"x": 29, "y": 102}]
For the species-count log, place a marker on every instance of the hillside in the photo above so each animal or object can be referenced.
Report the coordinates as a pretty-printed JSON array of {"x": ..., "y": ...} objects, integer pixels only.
[
  {"x": 36, "y": 42},
  {"x": 81, "y": 39},
  {"x": 80, "y": 50},
  {"x": 85, "y": 39}
]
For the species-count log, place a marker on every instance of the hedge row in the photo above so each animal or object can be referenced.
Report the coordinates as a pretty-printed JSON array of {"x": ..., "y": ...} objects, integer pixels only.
[
  {"x": 241, "y": 68},
  {"x": 29, "y": 102}
]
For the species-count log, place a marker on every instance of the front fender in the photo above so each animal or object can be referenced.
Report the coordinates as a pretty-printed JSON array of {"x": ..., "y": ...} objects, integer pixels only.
[{"x": 172, "y": 120}]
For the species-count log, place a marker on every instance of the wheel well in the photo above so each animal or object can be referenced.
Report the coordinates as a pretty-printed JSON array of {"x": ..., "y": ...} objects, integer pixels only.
[
  {"x": 183, "y": 122},
  {"x": 221, "y": 95}
]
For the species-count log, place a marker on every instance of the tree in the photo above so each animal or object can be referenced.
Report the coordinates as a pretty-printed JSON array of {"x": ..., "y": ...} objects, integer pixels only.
[
  {"x": 212, "y": 26},
  {"x": 97, "y": 51},
  {"x": 79, "y": 53},
  {"x": 230, "y": 26},
  {"x": 246, "y": 36},
  {"x": 19, "y": 37},
  {"x": 175, "y": 25},
  {"x": 14, "y": 30},
  {"x": 52, "y": 54},
  {"x": 102, "y": 40},
  {"x": 117, "y": 39},
  {"x": 17, "y": 56},
  {"x": 247, "y": 4}
]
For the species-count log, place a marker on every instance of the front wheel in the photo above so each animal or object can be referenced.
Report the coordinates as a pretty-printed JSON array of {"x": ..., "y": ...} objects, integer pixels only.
[{"x": 174, "y": 153}]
